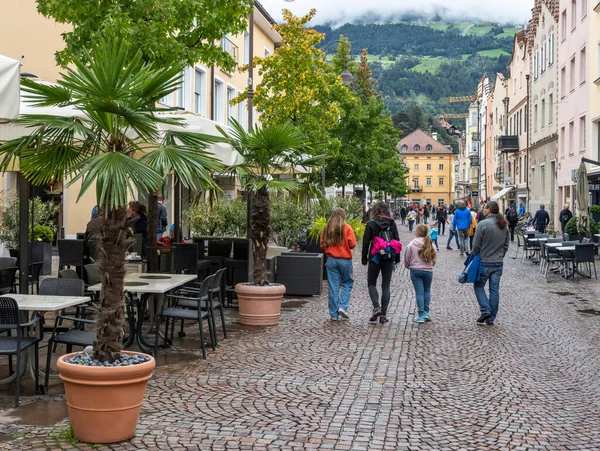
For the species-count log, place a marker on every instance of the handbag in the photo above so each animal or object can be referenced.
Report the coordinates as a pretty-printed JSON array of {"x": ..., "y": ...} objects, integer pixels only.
[{"x": 464, "y": 275}]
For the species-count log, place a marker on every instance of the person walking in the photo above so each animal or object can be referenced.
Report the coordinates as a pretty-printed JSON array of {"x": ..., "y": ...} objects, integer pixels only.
[
  {"x": 380, "y": 225},
  {"x": 412, "y": 216},
  {"x": 442, "y": 217},
  {"x": 433, "y": 234},
  {"x": 453, "y": 233},
  {"x": 137, "y": 217},
  {"x": 491, "y": 244},
  {"x": 425, "y": 214},
  {"x": 474, "y": 221},
  {"x": 564, "y": 217},
  {"x": 541, "y": 219},
  {"x": 513, "y": 218},
  {"x": 337, "y": 241},
  {"x": 403, "y": 215},
  {"x": 462, "y": 223},
  {"x": 419, "y": 258},
  {"x": 163, "y": 220},
  {"x": 521, "y": 209}
]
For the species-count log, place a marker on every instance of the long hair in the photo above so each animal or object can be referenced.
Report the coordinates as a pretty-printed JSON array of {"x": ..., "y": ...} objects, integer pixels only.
[
  {"x": 495, "y": 210},
  {"x": 333, "y": 233},
  {"x": 381, "y": 209},
  {"x": 427, "y": 252}
]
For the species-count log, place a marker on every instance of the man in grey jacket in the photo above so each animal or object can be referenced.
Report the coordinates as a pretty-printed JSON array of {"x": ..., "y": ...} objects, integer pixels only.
[{"x": 491, "y": 243}]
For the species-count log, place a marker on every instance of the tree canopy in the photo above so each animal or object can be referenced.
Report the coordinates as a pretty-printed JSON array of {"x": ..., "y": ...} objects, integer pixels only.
[{"x": 165, "y": 31}]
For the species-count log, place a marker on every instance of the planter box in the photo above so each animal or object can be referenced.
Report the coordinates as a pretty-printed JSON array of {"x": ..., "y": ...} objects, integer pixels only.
[
  {"x": 301, "y": 273},
  {"x": 314, "y": 246},
  {"x": 596, "y": 217},
  {"x": 41, "y": 252}
]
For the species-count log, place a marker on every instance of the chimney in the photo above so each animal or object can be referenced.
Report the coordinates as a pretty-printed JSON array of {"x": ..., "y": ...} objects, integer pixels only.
[{"x": 434, "y": 135}]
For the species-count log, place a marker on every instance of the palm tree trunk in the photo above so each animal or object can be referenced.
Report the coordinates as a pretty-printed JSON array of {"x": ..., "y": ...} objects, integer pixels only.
[
  {"x": 260, "y": 232},
  {"x": 111, "y": 316}
]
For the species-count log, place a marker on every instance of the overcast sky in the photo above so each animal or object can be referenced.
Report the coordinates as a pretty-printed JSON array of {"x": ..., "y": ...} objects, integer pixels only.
[{"x": 343, "y": 11}]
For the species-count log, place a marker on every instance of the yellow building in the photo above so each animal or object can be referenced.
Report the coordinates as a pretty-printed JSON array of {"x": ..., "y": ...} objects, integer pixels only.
[
  {"x": 206, "y": 91},
  {"x": 430, "y": 168}
]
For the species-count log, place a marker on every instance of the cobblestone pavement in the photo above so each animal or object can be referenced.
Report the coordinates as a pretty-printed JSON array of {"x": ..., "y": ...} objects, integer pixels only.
[{"x": 529, "y": 383}]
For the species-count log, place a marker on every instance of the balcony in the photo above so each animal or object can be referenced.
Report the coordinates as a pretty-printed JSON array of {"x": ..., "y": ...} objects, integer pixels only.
[
  {"x": 230, "y": 48},
  {"x": 508, "y": 144},
  {"x": 416, "y": 189}
]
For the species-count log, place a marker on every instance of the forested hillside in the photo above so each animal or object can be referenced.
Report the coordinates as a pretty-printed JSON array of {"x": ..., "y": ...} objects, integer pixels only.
[{"x": 426, "y": 64}]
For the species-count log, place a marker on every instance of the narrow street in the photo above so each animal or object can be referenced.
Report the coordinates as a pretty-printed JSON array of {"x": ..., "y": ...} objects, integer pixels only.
[{"x": 529, "y": 382}]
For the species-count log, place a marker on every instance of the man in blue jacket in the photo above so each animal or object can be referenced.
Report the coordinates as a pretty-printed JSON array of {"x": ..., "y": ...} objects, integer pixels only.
[{"x": 462, "y": 223}]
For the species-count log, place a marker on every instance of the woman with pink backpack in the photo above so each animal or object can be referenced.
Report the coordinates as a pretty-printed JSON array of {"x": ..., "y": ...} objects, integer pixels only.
[{"x": 381, "y": 252}]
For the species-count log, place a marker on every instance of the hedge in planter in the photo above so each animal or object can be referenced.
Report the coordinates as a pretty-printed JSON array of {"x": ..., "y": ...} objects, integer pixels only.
[{"x": 572, "y": 229}]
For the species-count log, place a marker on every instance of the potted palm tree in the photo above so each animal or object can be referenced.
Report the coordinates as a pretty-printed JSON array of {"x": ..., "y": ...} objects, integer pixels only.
[
  {"x": 111, "y": 143},
  {"x": 268, "y": 152}
]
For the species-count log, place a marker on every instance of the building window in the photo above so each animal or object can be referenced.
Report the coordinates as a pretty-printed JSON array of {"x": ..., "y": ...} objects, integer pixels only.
[
  {"x": 563, "y": 137},
  {"x": 550, "y": 49},
  {"x": 429, "y": 167},
  {"x": 246, "y": 47},
  {"x": 199, "y": 91},
  {"x": 563, "y": 20},
  {"x": 428, "y": 181},
  {"x": 428, "y": 148},
  {"x": 572, "y": 75},
  {"x": 416, "y": 183},
  {"x": 543, "y": 179},
  {"x": 584, "y": 7},
  {"x": 219, "y": 102},
  {"x": 543, "y": 114},
  {"x": 441, "y": 167},
  {"x": 417, "y": 148},
  {"x": 404, "y": 148},
  {"x": 535, "y": 118},
  {"x": 416, "y": 167},
  {"x": 582, "y": 66},
  {"x": 573, "y": 14},
  {"x": 441, "y": 181},
  {"x": 582, "y": 132},
  {"x": 267, "y": 52},
  {"x": 532, "y": 180},
  {"x": 563, "y": 82},
  {"x": 242, "y": 113},
  {"x": 231, "y": 108},
  {"x": 526, "y": 119},
  {"x": 571, "y": 137},
  {"x": 550, "y": 108}
]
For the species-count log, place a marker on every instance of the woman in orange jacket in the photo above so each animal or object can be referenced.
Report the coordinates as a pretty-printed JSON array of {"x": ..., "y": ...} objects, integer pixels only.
[{"x": 338, "y": 240}]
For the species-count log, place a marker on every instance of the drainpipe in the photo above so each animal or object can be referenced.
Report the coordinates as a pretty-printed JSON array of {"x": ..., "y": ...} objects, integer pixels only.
[{"x": 527, "y": 203}]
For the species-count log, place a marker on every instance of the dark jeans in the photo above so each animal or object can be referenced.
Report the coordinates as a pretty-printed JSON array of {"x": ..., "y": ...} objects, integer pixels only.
[
  {"x": 386, "y": 267},
  {"x": 403, "y": 218},
  {"x": 540, "y": 228},
  {"x": 511, "y": 227},
  {"x": 453, "y": 234},
  {"x": 491, "y": 272},
  {"x": 411, "y": 223},
  {"x": 442, "y": 226}
]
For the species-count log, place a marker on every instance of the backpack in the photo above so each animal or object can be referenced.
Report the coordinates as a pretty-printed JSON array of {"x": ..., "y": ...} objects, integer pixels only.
[
  {"x": 385, "y": 247},
  {"x": 512, "y": 216}
]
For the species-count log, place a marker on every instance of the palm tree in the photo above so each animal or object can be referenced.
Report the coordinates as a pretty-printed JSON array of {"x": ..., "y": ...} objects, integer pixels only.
[
  {"x": 111, "y": 143},
  {"x": 268, "y": 152}
]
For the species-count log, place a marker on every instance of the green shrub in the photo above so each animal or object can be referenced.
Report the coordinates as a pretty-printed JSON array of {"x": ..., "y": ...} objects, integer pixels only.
[
  {"x": 41, "y": 233},
  {"x": 220, "y": 218},
  {"x": 572, "y": 229},
  {"x": 45, "y": 214},
  {"x": 290, "y": 222},
  {"x": 595, "y": 209}
]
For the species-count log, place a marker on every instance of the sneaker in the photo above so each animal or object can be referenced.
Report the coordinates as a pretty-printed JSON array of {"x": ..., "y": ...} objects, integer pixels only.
[
  {"x": 462, "y": 254},
  {"x": 450, "y": 248},
  {"x": 376, "y": 314},
  {"x": 483, "y": 318},
  {"x": 418, "y": 319},
  {"x": 426, "y": 316},
  {"x": 333, "y": 319},
  {"x": 343, "y": 313},
  {"x": 489, "y": 322},
  {"x": 383, "y": 319}
]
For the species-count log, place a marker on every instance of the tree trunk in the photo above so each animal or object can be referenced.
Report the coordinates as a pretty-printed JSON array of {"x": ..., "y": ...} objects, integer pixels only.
[
  {"x": 260, "y": 232},
  {"x": 111, "y": 317},
  {"x": 343, "y": 190},
  {"x": 152, "y": 257}
]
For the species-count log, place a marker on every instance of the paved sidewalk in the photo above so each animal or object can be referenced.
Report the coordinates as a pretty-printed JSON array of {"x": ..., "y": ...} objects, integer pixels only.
[{"x": 530, "y": 382}]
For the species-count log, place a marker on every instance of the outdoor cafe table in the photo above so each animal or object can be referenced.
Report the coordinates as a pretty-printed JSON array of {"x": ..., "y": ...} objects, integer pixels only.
[
  {"x": 39, "y": 304},
  {"x": 554, "y": 245},
  {"x": 146, "y": 284}
]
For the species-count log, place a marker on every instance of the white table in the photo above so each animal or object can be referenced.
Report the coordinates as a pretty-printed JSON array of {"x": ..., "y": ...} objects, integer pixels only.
[
  {"x": 537, "y": 239},
  {"x": 146, "y": 284},
  {"x": 565, "y": 248},
  {"x": 554, "y": 244}
]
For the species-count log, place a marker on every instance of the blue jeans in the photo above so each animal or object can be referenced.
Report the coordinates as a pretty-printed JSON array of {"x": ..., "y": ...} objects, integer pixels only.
[
  {"x": 453, "y": 234},
  {"x": 411, "y": 224},
  {"x": 463, "y": 235},
  {"x": 339, "y": 272},
  {"x": 422, "y": 282},
  {"x": 491, "y": 272}
]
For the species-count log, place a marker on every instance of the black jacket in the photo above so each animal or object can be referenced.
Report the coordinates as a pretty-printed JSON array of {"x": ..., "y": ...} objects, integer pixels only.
[
  {"x": 541, "y": 218},
  {"x": 374, "y": 226},
  {"x": 565, "y": 216}
]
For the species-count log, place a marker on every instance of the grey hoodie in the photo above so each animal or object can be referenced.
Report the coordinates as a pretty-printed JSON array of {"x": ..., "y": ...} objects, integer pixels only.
[{"x": 490, "y": 242}]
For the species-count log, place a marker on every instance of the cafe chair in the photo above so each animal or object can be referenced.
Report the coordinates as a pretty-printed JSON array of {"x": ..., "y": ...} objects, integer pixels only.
[
  {"x": 10, "y": 320},
  {"x": 584, "y": 254},
  {"x": 7, "y": 279},
  {"x": 186, "y": 259},
  {"x": 68, "y": 274},
  {"x": 178, "y": 312}
]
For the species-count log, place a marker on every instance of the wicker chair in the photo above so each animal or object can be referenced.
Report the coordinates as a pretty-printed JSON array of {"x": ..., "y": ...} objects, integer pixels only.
[
  {"x": 71, "y": 253},
  {"x": 10, "y": 320}
]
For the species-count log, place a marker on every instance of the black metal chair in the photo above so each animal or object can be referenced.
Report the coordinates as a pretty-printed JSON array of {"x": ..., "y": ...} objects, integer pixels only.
[
  {"x": 75, "y": 336},
  {"x": 7, "y": 279},
  {"x": 35, "y": 270},
  {"x": 185, "y": 259},
  {"x": 237, "y": 267},
  {"x": 67, "y": 274},
  {"x": 179, "y": 313},
  {"x": 584, "y": 254},
  {"x": 10, "y": 319},
  {"x": 219, "y": 250},
  {"x": 71, "y": 253}
]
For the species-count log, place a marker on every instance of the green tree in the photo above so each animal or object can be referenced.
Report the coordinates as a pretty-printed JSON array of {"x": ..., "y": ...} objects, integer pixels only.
[
  {"x": 113, "y": 91},
  {"x": 166, "y": 32},
  {"x": 268, "y": 151}
]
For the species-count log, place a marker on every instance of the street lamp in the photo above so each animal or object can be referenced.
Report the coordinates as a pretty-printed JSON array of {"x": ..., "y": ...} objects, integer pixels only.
[{"x": 347, "y": 77}]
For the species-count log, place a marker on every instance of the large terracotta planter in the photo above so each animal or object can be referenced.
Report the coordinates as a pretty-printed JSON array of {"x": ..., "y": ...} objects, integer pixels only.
[
  {"x": 259, "y": 305},
  {"x": 104, "y": 402}
]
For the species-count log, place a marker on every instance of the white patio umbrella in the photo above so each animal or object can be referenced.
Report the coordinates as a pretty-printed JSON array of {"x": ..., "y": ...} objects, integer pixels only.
[
  {"x": 9, "y": 88},
  {"x": 583, "y": 201}
]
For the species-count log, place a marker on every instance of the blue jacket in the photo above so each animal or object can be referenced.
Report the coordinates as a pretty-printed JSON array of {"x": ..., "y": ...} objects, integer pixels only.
[
  {"x": 462, "y": 219},
  {"x": 474, "y": 273},
  {"x": 521, "y": 210}
]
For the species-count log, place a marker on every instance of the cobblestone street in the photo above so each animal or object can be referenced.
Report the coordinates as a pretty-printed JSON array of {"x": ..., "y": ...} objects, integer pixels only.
[{"x": 529, "y": 382}]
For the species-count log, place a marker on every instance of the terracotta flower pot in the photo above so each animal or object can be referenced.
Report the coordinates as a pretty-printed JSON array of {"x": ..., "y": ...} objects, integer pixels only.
[
  {"x": 104, "y": 402},
  {"x": 259, "y": 305}
]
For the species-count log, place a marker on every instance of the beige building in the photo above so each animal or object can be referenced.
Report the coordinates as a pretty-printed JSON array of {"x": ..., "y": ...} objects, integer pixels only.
[
  {"x": 207, "y": 91},
  {"x": 593, "y": 67},
  {"x": 430, "y": 168}
]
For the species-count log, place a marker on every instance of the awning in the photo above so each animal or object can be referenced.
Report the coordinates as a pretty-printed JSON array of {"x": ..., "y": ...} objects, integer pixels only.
[
  {"x": 502, "y": 193},
  {"x": 9, "y": 87}
]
